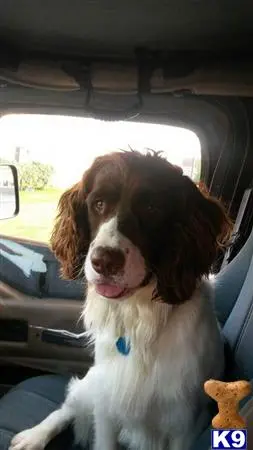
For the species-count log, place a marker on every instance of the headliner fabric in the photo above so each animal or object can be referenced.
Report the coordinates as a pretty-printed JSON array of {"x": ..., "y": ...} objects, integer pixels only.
[{"x": 112, "y": 27}]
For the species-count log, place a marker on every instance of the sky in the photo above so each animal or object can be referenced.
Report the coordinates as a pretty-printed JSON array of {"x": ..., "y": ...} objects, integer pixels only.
[{"x": 70, "y": 144}]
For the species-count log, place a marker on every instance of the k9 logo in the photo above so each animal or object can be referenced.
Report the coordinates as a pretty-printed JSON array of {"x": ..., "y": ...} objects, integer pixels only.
[{"x": 227, "y": 439}]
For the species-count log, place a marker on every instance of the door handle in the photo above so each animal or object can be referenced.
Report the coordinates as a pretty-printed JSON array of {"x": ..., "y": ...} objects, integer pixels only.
[{"x": 61, "y": 337}]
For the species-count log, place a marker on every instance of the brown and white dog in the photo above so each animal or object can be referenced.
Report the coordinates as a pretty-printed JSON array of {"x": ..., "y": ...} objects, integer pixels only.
[{"x": 145, "y": 237}]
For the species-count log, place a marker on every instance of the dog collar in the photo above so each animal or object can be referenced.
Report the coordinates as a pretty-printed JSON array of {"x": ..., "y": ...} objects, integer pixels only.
[{"x": 123, "y": 346}]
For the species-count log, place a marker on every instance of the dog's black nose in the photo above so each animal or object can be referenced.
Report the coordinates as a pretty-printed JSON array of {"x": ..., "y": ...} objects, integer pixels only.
[{"x": 107, "y": 260}]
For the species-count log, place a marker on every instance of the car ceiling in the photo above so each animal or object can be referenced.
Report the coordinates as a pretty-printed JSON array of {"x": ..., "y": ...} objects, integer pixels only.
[
  {"x": 194, "y": 42},
  {"x": 116, "y": 28}
]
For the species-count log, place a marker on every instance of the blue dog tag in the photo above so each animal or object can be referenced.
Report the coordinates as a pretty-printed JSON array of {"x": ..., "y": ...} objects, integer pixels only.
[{"x": 123, "y": 346}]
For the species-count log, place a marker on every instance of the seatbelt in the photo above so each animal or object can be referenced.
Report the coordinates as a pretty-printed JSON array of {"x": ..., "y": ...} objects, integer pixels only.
[{"x": 242, "y": 227}]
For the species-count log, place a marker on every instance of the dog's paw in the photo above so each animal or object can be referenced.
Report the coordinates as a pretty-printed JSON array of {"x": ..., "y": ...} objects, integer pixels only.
[{"x": 30, "y": 439}]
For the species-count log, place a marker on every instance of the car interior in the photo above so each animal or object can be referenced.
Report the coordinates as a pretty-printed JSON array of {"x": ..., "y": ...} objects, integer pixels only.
[{"x": 179, "y": 63}]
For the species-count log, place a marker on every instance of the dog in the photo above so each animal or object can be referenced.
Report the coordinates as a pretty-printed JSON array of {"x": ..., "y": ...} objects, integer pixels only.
[{"x": 145, "y": 237}]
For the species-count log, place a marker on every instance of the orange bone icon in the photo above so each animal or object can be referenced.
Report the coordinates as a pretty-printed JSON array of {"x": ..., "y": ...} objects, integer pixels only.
[{"x": 228, "y": 396}]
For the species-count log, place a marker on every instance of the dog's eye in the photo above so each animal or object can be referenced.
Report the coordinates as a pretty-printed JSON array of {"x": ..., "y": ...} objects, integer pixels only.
[{"x": 99, "y": 206}]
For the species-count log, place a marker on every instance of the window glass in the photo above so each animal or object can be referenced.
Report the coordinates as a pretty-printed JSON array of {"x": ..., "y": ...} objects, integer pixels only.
[{"x": 52, "y": 152}]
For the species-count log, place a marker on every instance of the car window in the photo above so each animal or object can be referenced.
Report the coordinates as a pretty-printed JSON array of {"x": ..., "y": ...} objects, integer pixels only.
[{"x": 51, "y": 153}]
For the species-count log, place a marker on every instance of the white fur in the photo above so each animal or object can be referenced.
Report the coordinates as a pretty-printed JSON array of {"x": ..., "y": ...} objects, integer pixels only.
[
  {"x": 134, "y": 270},
  {"x": 148, "y": 399}
]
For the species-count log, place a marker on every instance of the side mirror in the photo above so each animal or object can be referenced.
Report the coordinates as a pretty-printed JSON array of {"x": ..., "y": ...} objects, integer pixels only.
[{"x": 9, "y": 195}]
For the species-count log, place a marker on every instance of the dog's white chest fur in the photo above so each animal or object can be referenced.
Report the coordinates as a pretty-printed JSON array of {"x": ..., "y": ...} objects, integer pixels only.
[{"x": 154, "y": 392}]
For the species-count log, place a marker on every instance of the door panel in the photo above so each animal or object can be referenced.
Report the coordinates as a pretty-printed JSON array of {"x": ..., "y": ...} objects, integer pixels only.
[{"x": 39, "y": 314}]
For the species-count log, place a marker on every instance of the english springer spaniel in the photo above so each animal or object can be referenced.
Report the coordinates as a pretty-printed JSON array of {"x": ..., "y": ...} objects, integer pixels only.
[{"x": 145, "y": 237}]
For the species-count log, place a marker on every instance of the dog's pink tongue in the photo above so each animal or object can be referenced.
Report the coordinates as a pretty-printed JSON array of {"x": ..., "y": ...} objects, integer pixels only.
[{"x": 109, "y": 290}]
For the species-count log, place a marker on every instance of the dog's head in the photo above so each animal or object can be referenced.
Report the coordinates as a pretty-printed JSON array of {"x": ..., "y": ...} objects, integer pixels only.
[{"x": 134, "y": 217}]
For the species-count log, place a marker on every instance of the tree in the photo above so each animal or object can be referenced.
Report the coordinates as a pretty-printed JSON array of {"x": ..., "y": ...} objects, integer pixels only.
[
  {"x": 34, "y": 175},
  {"x": 196, "y": 173}
]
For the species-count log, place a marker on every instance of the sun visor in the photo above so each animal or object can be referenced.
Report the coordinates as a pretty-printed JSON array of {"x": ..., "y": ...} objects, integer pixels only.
[
  {"x": 40, "y": 75},
  {"x": 209, "y": 78},
  {"x": 217, "y": 78}
]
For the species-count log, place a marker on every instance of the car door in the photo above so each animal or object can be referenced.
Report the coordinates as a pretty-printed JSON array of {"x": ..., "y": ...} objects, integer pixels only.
[{"x": 40, "y": 324}]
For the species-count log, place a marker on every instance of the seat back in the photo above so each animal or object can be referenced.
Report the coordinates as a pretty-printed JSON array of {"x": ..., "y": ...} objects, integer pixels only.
[
  {"x": 229, "y": 281},
  {"x": 234, "y": 304}
]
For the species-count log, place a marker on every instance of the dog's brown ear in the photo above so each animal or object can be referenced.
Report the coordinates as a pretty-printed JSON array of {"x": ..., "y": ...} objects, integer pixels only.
[
  {"x": 71, "y": 236},
  {"x": 195, "y": 239}
]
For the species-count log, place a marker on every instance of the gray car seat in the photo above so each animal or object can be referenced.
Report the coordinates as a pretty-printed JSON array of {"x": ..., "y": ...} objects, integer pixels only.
[{"x": 31, "y": 401}]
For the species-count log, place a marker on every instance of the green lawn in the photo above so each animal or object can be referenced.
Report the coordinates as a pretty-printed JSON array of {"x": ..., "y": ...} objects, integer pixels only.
[{"x": 36, "y": 216}]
